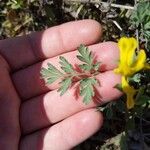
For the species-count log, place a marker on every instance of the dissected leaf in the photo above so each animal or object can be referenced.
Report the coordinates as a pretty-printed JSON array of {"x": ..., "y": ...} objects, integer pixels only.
[
  {"x": 141, "y": 19},
  {"x": 96, "y": 66},
  {"x": 64, "y": 85},
  {"x": 86, "y": 57},
  {"x": 147, "y": 26},
  {"x": 85, "y": 67},
  {"x": 51, "y": 74},
  {"x": 137, "y": 77},
  {"x": 87, "y": 89},
  {"x": 53, "y": 69},
  {"x": 51, "y": 80},
  {"x": 65, "y": 65}
]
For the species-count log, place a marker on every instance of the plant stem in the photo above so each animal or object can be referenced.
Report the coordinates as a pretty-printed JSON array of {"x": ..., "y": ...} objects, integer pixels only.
[{"x": 80, "y": 76}]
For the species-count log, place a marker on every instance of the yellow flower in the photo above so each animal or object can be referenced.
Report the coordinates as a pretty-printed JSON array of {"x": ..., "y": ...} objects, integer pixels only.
[
  {"x": 130, "y": 92},
  {"x": 129, "y": 62}
]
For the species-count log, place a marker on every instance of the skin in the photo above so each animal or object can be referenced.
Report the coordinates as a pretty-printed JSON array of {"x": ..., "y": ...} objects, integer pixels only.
[{"x": 32, "y": 115}]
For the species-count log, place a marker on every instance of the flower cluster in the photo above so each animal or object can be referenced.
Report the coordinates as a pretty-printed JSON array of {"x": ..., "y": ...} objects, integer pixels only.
[{"x": 131, "y": 62}]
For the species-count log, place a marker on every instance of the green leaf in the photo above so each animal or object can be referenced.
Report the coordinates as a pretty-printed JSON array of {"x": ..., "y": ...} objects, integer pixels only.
[
  {"x": 51, "y": 74},
  {"x": 64, "y": 85},
  {"x": 147, "y": 34},
  {"x": 87, "y": 89},
  {"x": 86, "y": 57},
  {"x": 85, "y": 67},
  {"x": 147, "y": 25},
  {"x": 53, "y": 69},
  {"x": 140, "y": 18},
  {"x": 81, "y": 58},
  {"x": 135, "y": 79},
  {"x": 143, "y": 10},
  {"x": 96, "y": 66},
  {"x": 51, "y": 80},
  {"x": 65, "y": 65}
]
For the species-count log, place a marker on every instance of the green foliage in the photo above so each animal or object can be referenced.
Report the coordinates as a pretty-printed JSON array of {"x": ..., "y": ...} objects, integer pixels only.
[
  {"x": 15, "y": 4},
  {"x": 51, "y": 74},
  {"x": 65, "y": 65},
  {"x": 141, "y": 15},
  {"x": 135, "y": 78},
  {"x": 87, "y": 89},
  {"x": 141, "y": 82},
  {"x": 69, "y": 75},
  {"x": 86, "y": 57},
  {"x": 141, "y": 20},
  {"x": 64, "y": 85},
  {"x": 20, "y": 17}
]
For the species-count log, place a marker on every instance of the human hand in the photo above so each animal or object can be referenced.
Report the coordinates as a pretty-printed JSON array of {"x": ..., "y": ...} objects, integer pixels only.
[{"x": 32, "y": 115}]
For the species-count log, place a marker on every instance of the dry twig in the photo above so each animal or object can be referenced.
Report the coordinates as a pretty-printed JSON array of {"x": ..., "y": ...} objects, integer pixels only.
[{"x": 99, "y": 2}]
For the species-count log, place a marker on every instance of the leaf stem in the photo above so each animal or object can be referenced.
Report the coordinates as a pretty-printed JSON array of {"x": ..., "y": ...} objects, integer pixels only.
[{"x": 79, "y": 75}]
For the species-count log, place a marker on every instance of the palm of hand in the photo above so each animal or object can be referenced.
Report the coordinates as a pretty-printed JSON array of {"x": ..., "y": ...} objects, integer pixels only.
[{"x": 33, "y": 116}]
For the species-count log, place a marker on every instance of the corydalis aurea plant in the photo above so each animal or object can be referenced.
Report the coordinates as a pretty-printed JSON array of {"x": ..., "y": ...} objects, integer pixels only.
[
  {"x": 85, "y": 74},
  {"x": 131, "y": 62}
]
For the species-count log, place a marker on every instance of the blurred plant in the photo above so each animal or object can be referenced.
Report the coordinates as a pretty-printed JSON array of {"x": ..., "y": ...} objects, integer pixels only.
[
  {"x": 140, "y": 19},
  {"x": 19, "y": 17},
  {"x": 15, "y": 4},
  {"x": 15, "y": 22}
]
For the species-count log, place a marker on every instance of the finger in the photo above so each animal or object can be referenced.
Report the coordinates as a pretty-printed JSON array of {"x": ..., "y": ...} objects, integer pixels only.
[
  {"x": 67, "y": 133},
  {"x": 51, "y": 42},
  {"x": 9, "y": 110},
  {"x": 52, "y": 108},
  {"x": 29, "y": 83}
]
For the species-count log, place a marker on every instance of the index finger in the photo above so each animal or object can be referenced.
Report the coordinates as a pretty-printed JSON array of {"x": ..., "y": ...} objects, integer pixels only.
[{"x": 24, "y": 51}]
